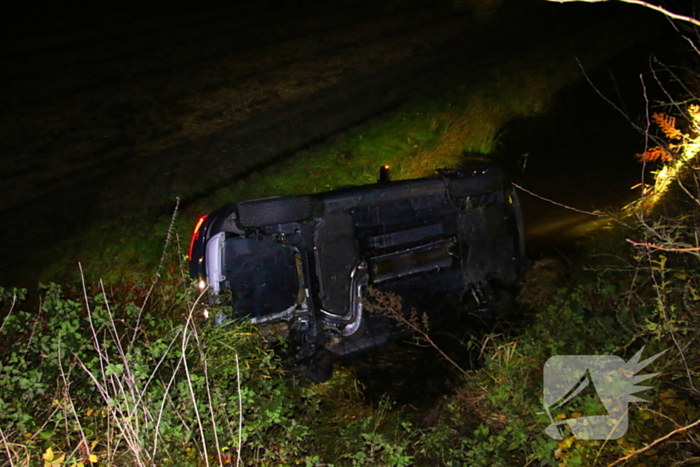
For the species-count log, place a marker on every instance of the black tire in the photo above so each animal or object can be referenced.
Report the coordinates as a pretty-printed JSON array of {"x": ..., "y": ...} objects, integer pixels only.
[
  {"x": 276, "y": 210},
  {"x": 319, "y": 369},
  {"x": 503, "y": 305},
  {"x": 462, "y": 185},
  {"x": 490, "y": 299}
]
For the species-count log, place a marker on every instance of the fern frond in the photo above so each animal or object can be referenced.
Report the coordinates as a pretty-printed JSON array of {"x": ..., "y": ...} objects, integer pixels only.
[
  {"x": 657, "y": 153},
  {"x": 667, "y": 124}
]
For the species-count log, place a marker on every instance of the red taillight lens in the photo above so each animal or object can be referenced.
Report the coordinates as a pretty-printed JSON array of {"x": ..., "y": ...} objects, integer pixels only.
[{"x": 195, "y": 235}]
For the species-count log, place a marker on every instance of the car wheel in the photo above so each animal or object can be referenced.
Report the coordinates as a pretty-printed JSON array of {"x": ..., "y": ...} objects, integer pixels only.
[
  {"x": 319, "y": 368},
  {"x": 490, "y": 300},
  {"x": 276, "y": 210},
  {"x": 503, "y": 304}
]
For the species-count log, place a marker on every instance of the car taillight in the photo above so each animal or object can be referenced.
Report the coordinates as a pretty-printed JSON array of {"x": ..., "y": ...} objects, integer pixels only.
[{"x": 195, "y": 236}]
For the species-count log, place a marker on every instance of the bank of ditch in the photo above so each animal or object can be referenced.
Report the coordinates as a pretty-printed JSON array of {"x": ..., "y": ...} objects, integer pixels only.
[
  {"x": 460, "y": 125},
  {"x": 82, "y": 384}
]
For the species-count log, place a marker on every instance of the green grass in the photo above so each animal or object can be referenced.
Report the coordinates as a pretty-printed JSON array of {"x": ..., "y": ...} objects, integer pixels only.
[
  {"x": 598, "y": 303},
  {"x": 608, "y": 300},
  {"x": 236, "y": 397},
  {"x": 460, "y": 126}
]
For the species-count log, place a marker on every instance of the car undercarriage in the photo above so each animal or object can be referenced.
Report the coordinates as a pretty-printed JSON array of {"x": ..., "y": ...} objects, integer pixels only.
[{"x": 304, "y": 265}]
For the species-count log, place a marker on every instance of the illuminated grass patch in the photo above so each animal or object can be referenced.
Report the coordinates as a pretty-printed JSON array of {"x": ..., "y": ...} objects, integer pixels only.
[{"x": 460, "y": 126}]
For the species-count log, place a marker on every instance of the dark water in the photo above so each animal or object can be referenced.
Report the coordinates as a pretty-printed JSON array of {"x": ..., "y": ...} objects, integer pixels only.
[{"x": 580, "y": 153}]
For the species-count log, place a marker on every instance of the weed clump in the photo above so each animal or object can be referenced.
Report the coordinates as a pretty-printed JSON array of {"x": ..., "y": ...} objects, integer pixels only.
[{"x": 138, "y": 376}]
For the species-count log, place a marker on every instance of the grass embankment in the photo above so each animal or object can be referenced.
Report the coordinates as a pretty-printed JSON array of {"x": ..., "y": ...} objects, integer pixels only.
[
  {"x": 132, "y": 375},
  {"x": 613, "y": 299},
  {"x": 84, "y": 94},
  {"x": 140, "y": 379},
  {"x": 459, "y": 126}
]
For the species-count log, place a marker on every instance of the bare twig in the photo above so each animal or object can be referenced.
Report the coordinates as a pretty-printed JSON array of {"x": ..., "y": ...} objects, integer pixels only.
[
  {"x": 6, "y": 445},
  {"x": 655, "y": 443},
  {"x": 240, "y": 413},
  {"x": 168, "y": 239},
  {"x": 207, "y": 384},
  {"x": 687, "y": 192},
  {"x": 12, "y": 307},
  {"x": 651, "y": 6},
  {"x": 126, "y": 387},
  {"x": 390, "y": 305},
  {"x": 166, "y": 392},
  {"x": 659, "y": 414},
  {"x": 66, "y": 391},
  {"x": 612, "y": 104},
  {"x": 185, "y": 339},
  {"x": 689, "y": 461},
  {"x": 596, "y": 214},
  {"x": 599, "y": 215},
  {"x": 658, "y": 247}
]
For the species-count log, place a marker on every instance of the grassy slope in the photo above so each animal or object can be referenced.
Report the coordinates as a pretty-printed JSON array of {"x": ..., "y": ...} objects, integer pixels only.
[
  {"x": 415, "y": 140},
  {"x": 78, "y": 100},
  {"x": 489, "y": 420}
]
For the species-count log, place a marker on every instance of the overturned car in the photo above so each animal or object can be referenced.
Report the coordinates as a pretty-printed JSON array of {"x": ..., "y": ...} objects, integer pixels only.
[{"x": 305, "y": 265}]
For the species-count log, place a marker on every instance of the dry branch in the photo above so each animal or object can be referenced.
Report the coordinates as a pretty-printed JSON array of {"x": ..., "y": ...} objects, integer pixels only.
[
  {"x": 658, "y": 247},
  {"x": 655, "y": 443},
  {"x": 651, "y": 6}
]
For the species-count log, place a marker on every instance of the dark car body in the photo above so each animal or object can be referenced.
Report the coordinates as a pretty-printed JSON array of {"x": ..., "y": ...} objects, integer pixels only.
[{"x": 443, "y": 244}]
